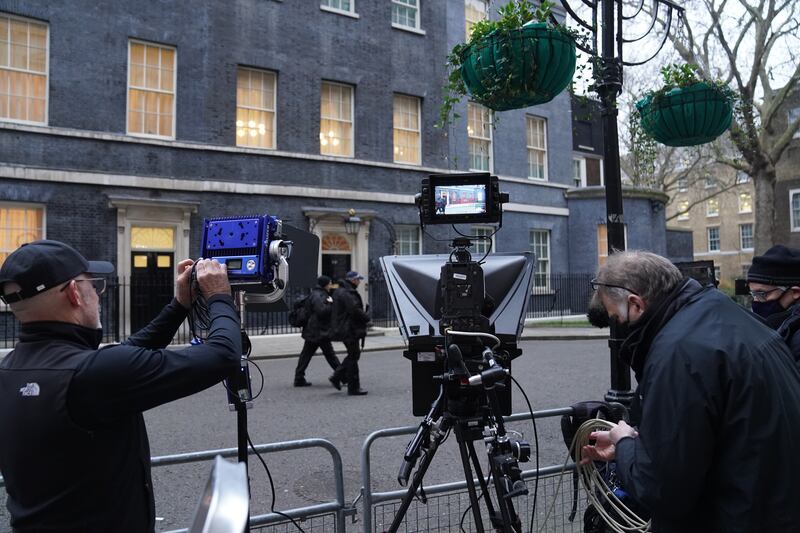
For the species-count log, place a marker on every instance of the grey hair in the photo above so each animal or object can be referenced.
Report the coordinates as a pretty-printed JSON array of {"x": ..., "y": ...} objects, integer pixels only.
[{"x": 649, "y": 275}]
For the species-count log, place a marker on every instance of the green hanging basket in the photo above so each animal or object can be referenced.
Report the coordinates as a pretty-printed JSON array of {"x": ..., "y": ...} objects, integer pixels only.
[
  {"x": 519, "y": 68},
  {"x": 686, "y": 116}
]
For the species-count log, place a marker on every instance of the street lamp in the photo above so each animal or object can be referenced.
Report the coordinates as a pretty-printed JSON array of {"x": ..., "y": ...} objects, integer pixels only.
[
  {"x": 352, "y": 224},
  {"x": 608, "y": 62}
]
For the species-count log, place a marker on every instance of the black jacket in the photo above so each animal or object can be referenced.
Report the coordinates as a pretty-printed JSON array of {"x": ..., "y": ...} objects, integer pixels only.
[
  {"x": 787, "y": 324},
  {"x": 349, "y": 320},
  {"x": 73, "y": 446},
  {"x": 320, "y": 305},
  {"x": 720, "y": 422}
]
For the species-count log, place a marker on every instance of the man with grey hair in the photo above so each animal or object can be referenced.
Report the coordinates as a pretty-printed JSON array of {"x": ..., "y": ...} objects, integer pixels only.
[{"x": 717, "y": 404}]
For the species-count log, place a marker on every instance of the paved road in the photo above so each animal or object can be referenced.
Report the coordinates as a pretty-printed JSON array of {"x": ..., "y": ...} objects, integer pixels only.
[{"x": 554, "y": 374}]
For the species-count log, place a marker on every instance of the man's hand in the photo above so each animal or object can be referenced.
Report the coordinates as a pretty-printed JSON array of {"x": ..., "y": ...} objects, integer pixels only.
[
  {"x": 183, "y": 284},
  {"x": 212, "y": 278},
  {"x": 605, "y": 446}
]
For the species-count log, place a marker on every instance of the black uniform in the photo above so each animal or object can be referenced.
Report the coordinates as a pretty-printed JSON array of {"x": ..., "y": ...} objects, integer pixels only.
[
  {"x": 720, "y": 419},
  {"x": 316, "y": 333},
  {"x": 349, "y": 325},
  {"x": 73, "y": 445},
  {"x": 787, "y": 324}
]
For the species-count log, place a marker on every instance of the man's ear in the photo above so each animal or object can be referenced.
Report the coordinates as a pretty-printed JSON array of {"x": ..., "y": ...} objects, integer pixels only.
[
  {"x": 794, "y": 290},
  {"x": 639, "y": 305},
  {"x": 73, "y": 295}
]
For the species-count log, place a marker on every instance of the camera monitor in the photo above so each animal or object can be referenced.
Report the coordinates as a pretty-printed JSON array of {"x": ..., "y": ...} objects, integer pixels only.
[{"x": 461, "y": 198}]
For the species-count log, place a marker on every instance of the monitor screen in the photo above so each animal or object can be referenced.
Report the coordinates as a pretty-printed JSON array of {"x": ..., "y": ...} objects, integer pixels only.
[
  {"x": 234, "y": 264},
  {"x": 469, "y": 199}
]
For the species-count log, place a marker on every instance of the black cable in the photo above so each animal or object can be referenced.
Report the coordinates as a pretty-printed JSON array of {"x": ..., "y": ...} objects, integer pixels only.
[
  {"x": 536, "y": 447},
  {"x": 480, "y": 495},
  {"x": 271, "y": 486}
]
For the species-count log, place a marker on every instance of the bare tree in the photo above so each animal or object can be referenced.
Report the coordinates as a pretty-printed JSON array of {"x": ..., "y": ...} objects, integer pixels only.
[{"x": 752, "y": 46}]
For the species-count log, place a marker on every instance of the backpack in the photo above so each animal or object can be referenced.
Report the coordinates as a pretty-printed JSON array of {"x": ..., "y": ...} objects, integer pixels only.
[{"x": 299, "y": 315}]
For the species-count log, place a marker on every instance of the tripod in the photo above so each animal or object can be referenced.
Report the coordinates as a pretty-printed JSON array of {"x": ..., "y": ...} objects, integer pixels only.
[{"x": 487, "y": 425}]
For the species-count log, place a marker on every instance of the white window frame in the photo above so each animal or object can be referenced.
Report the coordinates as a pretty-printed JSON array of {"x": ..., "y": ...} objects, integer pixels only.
[
  {"x": 274, "y": 109},
  {"x": 791, "y": 116},
  {"x": 709, "y": 212},
  {"x": 708, "y": 239},
  {"x": 528, "y": 120},
  {"x": 580, "y": 179},
  {"x": 402, "y": 228},
  {"x": 795, "y": 222},
  {"x": 742, "y": 177},
  {"x": 480, "y": 5},
  {"x": 471, "y": 135},
  {"x": 417, "y": 28},
  {"x": 710, "y": 182},
  {"x": 351, "y": 121},
  {"x": 418, "y": 131},
  {"x": 546, "y": 273},
  {"x": 9, "y": 68},
  {"x": 683, "y": 185},
  {"x": 741, "y": 236},
  {"x": 685, "y": 214},
  {"x": 739, "y": 200},
  {"x": 174, "y": 91},
  {"x": 349, "y": 13},
  {"x": 480, "y": 243},
  {"x": 25, "y": 205}
]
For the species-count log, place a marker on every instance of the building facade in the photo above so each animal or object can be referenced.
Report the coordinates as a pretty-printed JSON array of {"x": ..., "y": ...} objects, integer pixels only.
[
  {"x": 124, "y": 125},
  {"x": 787, "y": 184}
]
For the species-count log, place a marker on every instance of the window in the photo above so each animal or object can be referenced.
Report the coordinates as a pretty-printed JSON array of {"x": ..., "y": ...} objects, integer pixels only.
[
  {"x": 713, "y": 239},
  {"x": 712, "y": 207},
  {"x": 479, "y": 131},
  {"x": 151, "y": 90},
  {"x": 255, "y": 108},
  {"x": 683, "y": 185},
  {"x": 408, "y": 242},
  {"x": 742, "y": 177},
  {"x": 336, "y": 120},
  {"x": 717, "y": 273},
  {"x": 602, "y": 242},
  {"x": 711, "y": 182},
  {"x": 746, "y": 236},
  {"x": 474, "y": 10},
  {"x": 407, "y": 130},
  {"x": 19, "y": 224},
  {"x": 579, "y": 171},
  {"x": 794, "y": 200},
  {"x": 405, "y": 13},
  {"x": 23, "y": 70},
  {"x": 482, "y": 246},
  {"x": 683, "y": 210},
  {"x": 745, "y": 202},
  {"x": 745, "y": 270},
  {"x": 540, "y": 246},
  {"x": 343, "y": 6},
  {"x": 792, "y": 116},
  {"x": 537, "y": 148}
]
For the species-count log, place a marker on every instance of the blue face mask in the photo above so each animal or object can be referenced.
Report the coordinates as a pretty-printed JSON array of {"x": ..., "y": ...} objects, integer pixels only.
[{"x": 765, "y": 309}]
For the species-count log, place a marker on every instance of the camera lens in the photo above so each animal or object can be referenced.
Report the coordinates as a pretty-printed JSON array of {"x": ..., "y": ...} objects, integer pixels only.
[{"x": 521, "y": 450}]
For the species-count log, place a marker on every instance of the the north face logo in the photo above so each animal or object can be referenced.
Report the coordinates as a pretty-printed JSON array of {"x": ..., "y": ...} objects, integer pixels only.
[{"x": 31, "y": 389}]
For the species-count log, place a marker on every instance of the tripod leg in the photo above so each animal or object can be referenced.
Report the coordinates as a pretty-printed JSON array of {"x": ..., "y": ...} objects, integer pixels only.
[
  {"x": 482, "y": 481},
  {"x": 473, "y": 496}
]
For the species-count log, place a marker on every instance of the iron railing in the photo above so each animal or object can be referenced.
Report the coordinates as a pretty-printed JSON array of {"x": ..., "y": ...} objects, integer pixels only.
[{"x": 554, "y": 295}]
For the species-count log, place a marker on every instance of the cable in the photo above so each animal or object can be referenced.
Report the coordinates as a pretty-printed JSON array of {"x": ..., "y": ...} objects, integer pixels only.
[
  {"x": 272, "y": 486},
  {"x": 595, "y": 485},
  {"x": 475, "y": 334},
  {"x": 536, "y": 449}
]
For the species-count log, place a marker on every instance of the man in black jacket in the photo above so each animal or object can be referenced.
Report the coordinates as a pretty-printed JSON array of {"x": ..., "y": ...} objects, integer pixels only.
[
  {"x": 316, "y": 332},
  {"x": 719, "y": 401},
  {"x": 774, "y": 283},
  {"x": 349, "y": 325},
  {"x": 73, "y": 446}
]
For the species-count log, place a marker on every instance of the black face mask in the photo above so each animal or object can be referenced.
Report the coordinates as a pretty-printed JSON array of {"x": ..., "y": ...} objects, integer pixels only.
[
  {"x": 765, "y": 309},
  {"x": 597, "y": 315}
]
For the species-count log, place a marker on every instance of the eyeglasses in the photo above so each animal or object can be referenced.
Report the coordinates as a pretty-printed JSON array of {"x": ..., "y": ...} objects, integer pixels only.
[
  {"x": 594, "y": 284},
  {"x": 99, "y": 284},
  {"x": 761, "y": 296}
]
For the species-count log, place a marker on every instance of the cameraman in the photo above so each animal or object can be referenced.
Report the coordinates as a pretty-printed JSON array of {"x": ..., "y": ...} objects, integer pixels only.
[
  {"x": 349, "y": 325},
  {"x": 73, "y": 447}
]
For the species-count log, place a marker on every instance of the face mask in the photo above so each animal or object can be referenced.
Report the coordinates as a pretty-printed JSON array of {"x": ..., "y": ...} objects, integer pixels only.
[
  {"x": 597, "y": 314},
  {"x": 765, "y": 309}
]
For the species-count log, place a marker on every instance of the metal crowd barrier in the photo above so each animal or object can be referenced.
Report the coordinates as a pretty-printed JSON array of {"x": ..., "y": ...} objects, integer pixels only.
[{"x": 438, "y": 516}]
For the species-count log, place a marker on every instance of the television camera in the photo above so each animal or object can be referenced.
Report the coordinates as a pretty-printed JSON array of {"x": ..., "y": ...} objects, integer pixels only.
[{"x": 462, "y": 320}]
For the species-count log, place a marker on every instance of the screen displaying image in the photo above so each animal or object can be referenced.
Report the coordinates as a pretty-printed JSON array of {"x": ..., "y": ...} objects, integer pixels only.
[{"x": 459, "y": 199}]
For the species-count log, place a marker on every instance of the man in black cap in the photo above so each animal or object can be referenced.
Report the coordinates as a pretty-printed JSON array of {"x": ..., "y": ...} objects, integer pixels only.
[
  {"x": 74, "y": 451},
  {"x": 316, "y": 332},
  {"x": 349, "y": 325},
  {"x": 774, "y": 283}
]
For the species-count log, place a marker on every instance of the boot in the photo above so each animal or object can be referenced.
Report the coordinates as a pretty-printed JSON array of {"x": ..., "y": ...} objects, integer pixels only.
[
  {"x": 356, "y": 392},
  {"x": 302, "y": 383}
]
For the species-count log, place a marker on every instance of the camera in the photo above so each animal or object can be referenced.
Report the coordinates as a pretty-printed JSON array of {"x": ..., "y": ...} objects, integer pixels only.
[{"x": 460, "y": 198}]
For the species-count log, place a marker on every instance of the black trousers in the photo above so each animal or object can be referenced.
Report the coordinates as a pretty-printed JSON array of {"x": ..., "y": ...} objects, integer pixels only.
[
  {"x": 308, "y": 351},
  {"x": 348, "y": 370}
]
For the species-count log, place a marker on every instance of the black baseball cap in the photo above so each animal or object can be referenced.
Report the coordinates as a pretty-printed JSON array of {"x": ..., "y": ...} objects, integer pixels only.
[{"x": 41, "y": 265}]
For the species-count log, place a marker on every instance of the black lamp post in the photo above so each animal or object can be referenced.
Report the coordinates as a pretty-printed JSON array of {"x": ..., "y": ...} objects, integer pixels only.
[{"x": 606, "y": 24}]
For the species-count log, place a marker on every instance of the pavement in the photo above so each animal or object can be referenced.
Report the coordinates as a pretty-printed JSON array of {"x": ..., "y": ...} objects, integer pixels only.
[{"x": 379, "y": 339}]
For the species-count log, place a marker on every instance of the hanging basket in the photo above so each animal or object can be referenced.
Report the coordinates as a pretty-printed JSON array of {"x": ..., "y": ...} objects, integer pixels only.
[
  {"x": 686, "y": 116},
  {"x": 519, "y": 68}
]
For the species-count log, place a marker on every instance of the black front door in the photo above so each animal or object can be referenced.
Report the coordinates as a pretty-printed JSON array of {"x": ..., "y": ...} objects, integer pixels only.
[
  {"x": 152, "y": 285},
  {"x": 335, "y": 265}
]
